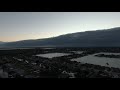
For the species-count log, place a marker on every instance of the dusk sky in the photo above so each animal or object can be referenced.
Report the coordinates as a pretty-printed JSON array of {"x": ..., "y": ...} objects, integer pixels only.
[{"x": 15, "y": 26}]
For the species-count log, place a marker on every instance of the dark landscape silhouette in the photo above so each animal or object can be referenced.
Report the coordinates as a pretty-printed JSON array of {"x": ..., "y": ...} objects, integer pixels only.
[
  {"x": 98, "y": 38},
  {"x": 31, "y": 58}
]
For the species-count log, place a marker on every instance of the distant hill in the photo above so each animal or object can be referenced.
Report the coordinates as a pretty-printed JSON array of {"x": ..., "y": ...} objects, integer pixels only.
[{"x": 98, "y": 38}]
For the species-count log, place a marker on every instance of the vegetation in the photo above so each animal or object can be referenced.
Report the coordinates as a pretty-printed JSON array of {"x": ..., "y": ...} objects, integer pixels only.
[{"x": 22, "y": 63}]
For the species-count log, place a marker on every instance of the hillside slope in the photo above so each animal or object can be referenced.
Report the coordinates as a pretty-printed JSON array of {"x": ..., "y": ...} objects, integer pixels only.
[{"x": 98, "y": 38}]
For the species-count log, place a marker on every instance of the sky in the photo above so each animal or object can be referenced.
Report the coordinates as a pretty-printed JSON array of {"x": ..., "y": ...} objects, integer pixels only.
[{"x": 15, "y": 26}]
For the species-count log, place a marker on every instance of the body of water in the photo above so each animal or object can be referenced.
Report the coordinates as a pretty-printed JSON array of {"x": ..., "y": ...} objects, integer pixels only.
[
  {"x": 91, "y": 59},
  {"x": 77, "y": 52},
  {"x": 51, "y": 55}
]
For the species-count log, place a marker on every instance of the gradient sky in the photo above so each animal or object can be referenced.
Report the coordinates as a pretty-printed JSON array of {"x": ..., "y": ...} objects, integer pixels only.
[{"x": 15, "y": 26}]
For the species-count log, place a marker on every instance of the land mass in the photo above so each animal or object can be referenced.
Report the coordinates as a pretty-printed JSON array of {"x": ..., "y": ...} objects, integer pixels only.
[{"x": 99, "y": 38}]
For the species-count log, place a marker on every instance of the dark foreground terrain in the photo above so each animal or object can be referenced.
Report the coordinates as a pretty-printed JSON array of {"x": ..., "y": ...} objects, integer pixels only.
[{"x": 23, "y": 63}]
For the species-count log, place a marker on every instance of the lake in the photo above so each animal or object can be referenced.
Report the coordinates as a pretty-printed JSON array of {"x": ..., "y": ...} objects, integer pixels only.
[
  {"x": 51, "y": 55},
  {"x": 77, "y": 52},
  {"x": 91, "y": 59}
]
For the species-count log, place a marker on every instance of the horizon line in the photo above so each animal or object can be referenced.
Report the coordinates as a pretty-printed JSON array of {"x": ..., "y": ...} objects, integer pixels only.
[{"x": 59, "y": 35}]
